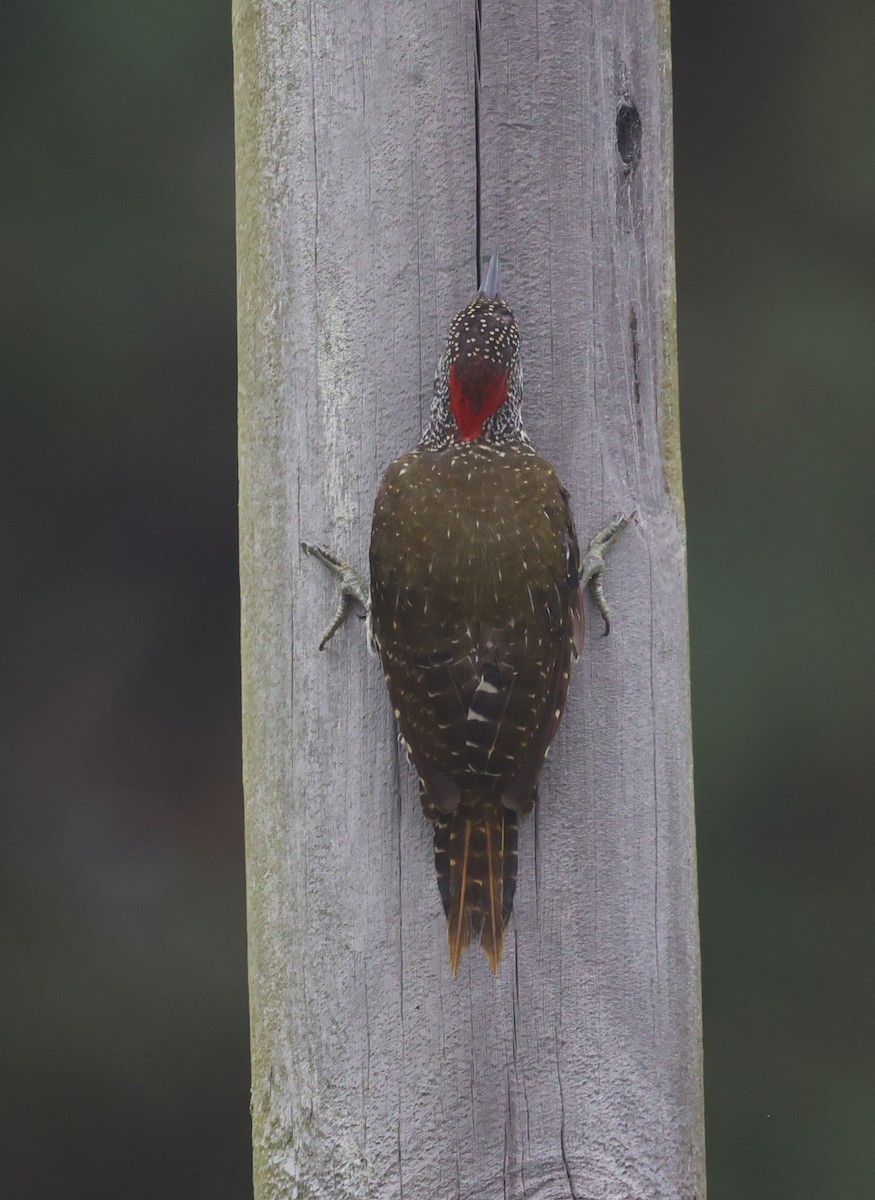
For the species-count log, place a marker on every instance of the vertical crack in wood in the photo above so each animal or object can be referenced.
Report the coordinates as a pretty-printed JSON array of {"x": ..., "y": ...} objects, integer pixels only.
[
  {"x": 506, "y": 1153},
  {"x": 478, "y": 17},
  {"x": 562, "y": 1149},
  {"x": 312, "y": 32},
  {"x": 399, "y": 792},
  {"x": 636, "y": 370}
]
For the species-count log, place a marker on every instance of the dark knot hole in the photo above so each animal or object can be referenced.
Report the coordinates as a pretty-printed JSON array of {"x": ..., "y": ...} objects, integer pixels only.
[{"x": 628, "y": 133}]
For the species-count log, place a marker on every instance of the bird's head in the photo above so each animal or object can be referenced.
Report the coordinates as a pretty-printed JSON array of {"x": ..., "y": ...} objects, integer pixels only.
[{"x": 479, "y": 378}]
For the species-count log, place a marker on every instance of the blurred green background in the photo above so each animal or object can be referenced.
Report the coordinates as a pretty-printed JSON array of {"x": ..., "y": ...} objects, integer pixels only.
[{"x": 123, "y": 1055}]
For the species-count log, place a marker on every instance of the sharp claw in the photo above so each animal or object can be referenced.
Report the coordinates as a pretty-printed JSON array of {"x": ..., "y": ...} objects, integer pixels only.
[
  {"x": 352, "y": 588},
  {"x": 329, "y": 560},
  {"x": 598, "y": 595},
  {"x": 593, "y": 565}
]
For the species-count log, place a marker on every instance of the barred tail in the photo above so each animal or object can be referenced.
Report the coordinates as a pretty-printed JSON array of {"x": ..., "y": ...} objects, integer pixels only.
[{"x": 475, "y": 856}]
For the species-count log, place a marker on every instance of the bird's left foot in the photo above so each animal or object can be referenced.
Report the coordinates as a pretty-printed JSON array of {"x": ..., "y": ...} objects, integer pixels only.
[
  {"x": 593, "y": 565},
  {"x": 353, "y": 589}
]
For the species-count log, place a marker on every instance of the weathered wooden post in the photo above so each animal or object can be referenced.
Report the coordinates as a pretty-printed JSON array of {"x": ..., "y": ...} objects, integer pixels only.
[{"x": 370, "y": 171}]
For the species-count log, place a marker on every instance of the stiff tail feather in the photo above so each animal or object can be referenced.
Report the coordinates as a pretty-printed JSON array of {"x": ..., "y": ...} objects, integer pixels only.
[{"x": 475, "y": 856}]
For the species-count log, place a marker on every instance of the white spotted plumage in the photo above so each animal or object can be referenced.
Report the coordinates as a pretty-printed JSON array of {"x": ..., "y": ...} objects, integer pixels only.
[{"x": 476, "y": 608}]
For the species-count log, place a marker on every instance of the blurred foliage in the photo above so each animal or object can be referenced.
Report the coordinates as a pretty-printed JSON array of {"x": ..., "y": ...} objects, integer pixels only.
[
  {"x": 123, "y": 1069},
  {"x": 775, "y": 205}
]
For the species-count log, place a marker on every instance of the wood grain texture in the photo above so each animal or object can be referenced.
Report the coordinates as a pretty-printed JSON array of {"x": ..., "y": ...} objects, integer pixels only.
[{"x": 576, "y": 1073}]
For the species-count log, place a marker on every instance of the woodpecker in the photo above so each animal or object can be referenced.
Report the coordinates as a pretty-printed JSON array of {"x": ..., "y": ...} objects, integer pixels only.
[{"x": 475, "y": 607}]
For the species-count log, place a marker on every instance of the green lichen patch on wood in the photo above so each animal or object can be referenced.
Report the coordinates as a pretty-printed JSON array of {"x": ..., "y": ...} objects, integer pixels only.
[{"x": 669, "y": 403}]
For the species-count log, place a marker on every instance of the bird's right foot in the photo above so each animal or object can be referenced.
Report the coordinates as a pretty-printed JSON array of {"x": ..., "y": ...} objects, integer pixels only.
[{"x": 593, "y": 565}]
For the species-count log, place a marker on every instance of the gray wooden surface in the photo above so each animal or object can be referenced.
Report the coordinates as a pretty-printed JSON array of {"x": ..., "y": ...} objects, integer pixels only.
[{"x": 576, "y": 1073}]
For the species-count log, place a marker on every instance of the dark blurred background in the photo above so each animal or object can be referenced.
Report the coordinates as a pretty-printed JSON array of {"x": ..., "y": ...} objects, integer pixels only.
[{"x": 123, "y": 1053}]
